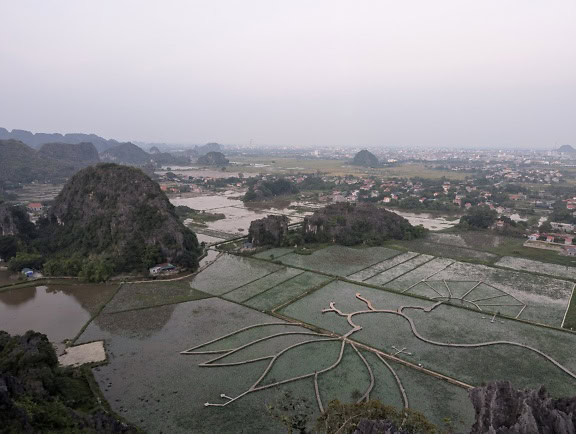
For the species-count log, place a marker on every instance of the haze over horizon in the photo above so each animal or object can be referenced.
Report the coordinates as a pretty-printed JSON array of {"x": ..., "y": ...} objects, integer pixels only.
[{"x": 376, "y": 73}]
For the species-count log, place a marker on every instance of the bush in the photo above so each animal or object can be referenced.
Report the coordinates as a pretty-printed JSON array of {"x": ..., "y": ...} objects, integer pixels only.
[
  {"x": 26, "y": 260},
  {"x": 96, "y": 270}
]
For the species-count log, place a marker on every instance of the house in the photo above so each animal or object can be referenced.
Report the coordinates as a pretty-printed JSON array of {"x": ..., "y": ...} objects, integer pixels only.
[
  {"x": 457, "y": 202},
  {"x": 28, "y": 272},
  {"x": 533, "y": 237},
  {"x": 570, "y": 250},
  {"x": 549, "y": 238},
  {"x": 165, "y": 268},
  {"x": 467, "y": 205},
  {"x": 35, "y": 207},
  {"x": 568, "y": 240}
]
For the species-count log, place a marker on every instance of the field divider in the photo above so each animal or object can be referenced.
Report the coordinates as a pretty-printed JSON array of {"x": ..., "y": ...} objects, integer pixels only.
[
  {"x": 400, "y": 263},
  {"x": 375, "y": 263},
  {"x": 97, "y": 313},
  {"x": 272, "y": 287},
  {"x": 252, "y": 281},
  {"x": 409, "y": 271},
  {"x": 568, "y": 307},
  {"x": 310, "y": 291}
]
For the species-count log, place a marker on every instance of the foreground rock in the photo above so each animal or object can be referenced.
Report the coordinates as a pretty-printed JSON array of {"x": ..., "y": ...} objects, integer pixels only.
[
  {"x": 501, "y": 409},
  {"x": 36, "y": 395}
]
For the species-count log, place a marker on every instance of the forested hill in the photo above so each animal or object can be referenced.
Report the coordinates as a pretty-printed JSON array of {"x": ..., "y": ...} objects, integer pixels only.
[
  {"x": 21, "y": 163},
  {"x": 82, "y": 153},
  {"x": 119, "y": 214}
]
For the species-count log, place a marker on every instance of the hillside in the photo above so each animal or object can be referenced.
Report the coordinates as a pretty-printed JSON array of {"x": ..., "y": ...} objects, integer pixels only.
[
  {"x": 126, "y": 153},
  {"x": 38, "y": 139},
  {"x": 120, "y": 215},
  {"x": 213, "y": 158},
  {"x": 566, "y": 149},
  {"x": 21, "y": 163},
  {"x": 84, "y": 154},
  {"x": 350, "y": 224},
  {"x": 365, "y": 158}
]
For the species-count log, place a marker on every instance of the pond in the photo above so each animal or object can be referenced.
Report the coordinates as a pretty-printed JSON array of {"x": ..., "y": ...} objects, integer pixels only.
[{"x": 59, "y": 311}]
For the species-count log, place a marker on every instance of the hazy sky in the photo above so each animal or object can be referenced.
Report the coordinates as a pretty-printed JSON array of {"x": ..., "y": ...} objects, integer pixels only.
[{"x": 304, "y": 72}]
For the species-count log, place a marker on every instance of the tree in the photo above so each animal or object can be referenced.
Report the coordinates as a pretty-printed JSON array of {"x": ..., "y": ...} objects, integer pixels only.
[
  {"x": 479, "y": 217},
  {"x": 8, "y": 247},
  {"x": 545, "y": 227}
]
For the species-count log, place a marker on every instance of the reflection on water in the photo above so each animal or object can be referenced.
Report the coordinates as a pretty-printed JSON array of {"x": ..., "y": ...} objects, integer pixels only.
[{"x": 59, "y": 311}]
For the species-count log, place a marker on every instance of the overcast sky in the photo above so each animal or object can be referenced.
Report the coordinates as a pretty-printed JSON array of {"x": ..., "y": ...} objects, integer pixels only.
[{"x": 302, "y": 72}]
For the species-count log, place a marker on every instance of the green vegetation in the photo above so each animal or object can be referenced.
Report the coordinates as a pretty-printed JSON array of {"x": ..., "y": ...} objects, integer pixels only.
[{"x": 479, "y": 217}]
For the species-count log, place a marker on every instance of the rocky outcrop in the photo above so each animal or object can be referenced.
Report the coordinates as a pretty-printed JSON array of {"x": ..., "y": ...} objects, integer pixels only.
[
  {"x": 268, "y": 231},
  {"x": 84, "y": 154},
  {"x": 365, "y": 158},
  {"x": 366, "y": 426},
  {"x": 208, "y": 147},
  {"x": 501, "y": 409},
  {"x": 120, "y": 212},
  {"x": 350, "y": 224},
  {"x": 213, "y": 159}
]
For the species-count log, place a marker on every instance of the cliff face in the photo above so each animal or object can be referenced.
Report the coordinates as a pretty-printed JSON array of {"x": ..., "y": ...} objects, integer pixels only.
[
  {"x": 14, "y": 221},
  {"x": 119, "y": 211},
  {"x": 349, "y": 224},
  {"x": 84, "y": 154},
  {"x": 501, "y": 409},
  {"x": 213, "y": 159},
  {"x": 271, "y": 230}
]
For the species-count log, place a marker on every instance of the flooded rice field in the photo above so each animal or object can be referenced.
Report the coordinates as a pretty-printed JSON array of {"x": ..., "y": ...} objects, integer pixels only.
[
  {"x": 59, "y": 311},
  {"x": 429, "y": 221},
  {"x": 238, "y": 215}
]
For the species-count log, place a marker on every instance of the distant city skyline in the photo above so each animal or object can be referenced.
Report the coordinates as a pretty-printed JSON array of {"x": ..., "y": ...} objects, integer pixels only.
[{"x": 377, "y": 73}]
